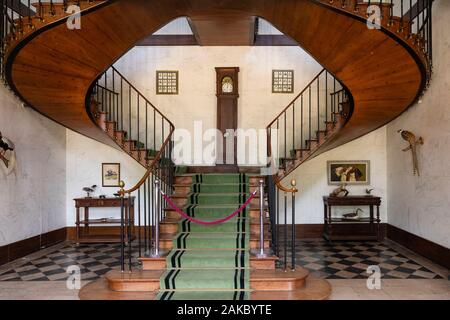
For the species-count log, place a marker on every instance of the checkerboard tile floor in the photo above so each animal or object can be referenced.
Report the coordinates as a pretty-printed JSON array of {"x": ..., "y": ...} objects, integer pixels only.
[
  {"x": 350, "y": 260},
  {"x": 339, "y": 260},
  {"x": 94, "y": 260}
]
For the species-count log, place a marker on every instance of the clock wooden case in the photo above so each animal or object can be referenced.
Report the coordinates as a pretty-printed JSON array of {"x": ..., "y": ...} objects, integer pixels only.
[{"x": 227, "y": 83}]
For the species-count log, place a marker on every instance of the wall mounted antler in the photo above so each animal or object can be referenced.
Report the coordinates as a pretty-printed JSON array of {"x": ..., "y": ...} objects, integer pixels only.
[{"x": 413, "y": 142}]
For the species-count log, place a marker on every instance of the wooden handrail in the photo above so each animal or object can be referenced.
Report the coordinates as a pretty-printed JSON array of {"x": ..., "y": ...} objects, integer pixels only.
[
  {"x": 151, "y": 168},
  {"x": 106, "y": 89},
  {"x": 293, "y": 188},
  {"x": 143, "y": 97}
]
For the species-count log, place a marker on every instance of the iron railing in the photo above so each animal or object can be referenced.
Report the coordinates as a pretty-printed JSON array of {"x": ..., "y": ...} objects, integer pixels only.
[
  {"x": 299, "y": 125},
  {"x": 282, "y": 221},
  {"x": 411, "y": 19},
  {"x": 290, "y": 136},
  {"x": 415, "y": 16},
  {"x": 147, "y": 135}
]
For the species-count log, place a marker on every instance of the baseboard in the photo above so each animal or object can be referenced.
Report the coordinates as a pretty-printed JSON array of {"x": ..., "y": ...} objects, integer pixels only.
[
  {"x": 106, "y": 230},
  {"x": 427, "y": 249},
  {"x": 421, "y": 246},
  {"x": 20, "y": 249},
  {"x": 311, "y": 231}
]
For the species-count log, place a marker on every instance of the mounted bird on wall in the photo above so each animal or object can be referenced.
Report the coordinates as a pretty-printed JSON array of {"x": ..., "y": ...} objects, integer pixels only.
[
  {"x": 7, "y": 155},
  {"x": 413, "y": 142}
]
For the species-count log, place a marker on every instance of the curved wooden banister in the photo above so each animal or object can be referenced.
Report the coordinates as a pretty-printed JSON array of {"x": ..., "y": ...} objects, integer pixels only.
[
  {"x": 292, "y": 189},
  {"x": 57, "y": 83},
  {"x": 296, "y": 97},
  {"x": 151, "y": 168},
  {"x": 148, "y": 101}
]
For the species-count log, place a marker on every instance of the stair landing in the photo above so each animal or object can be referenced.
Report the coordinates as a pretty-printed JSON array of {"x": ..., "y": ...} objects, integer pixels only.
[{"x": 265, "y": 285}]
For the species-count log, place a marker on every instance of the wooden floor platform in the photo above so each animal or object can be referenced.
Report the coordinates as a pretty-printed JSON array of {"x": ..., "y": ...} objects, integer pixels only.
[{"x": 314, "y": 289}]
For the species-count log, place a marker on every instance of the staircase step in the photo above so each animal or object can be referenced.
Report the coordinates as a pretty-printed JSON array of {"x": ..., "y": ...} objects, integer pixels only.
[
  {"x": 120, "y": 137},
  {"x": 267, "y": 263},
  {"x": 173, "y": 225},
  {"x": 252, "y": 212},
  {"x": 189, "y": 179},
  {"x": 167, "y": 241},
  {"x": 314, "y": 289},
  {"x": 260, "y": 280},
  {"x": 312, "y": 144},
  {"x": 212, "y": 198}
]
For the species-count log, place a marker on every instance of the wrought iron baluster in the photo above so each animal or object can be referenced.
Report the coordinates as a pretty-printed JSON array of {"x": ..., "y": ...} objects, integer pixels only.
[
  {"x": 285, "y": 231},
  {"x": 301, "y": 124},
  {"x": 285, "y": 136},
  {"x": 293, "y": 128},
  {"x": 318, "y": 105},
  {"x": 129, "y": 229},
  {"x": 139, "y": 223},
  {"x": 310, "y": 118}
]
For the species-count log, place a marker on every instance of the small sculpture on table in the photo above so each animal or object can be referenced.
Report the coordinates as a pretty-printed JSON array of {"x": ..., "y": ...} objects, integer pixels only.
[
  {"x": 89, "y": 190},
  {"x": 340, "y": 192},
  {"x": 369, "y": 192},
  {"x": 352, "y": 215}
]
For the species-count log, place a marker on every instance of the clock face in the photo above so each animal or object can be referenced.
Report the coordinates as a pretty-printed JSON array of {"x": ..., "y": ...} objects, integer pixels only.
[{"x": 227, "y": 85}]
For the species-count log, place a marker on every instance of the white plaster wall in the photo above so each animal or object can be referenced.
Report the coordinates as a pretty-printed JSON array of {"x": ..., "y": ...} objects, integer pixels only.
[
  {"x": 421, "y": 205},
  {"x": 33, "y": 197},
  {"x": 84, "y": 168},
  {"x": 257, "y": 107},
  {"x": 197, "y": 100},
  {"x": 313, "y": 184}
]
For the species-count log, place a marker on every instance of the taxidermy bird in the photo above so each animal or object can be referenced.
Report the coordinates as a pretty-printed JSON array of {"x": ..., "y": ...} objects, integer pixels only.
[
  {"x": 353, "y": 215},
  {"x": 413, "y": 142},
  {"x": 89, "y": 190},
  {"x": 4, "y": 146},
  {"x": 340, "y": 192}
]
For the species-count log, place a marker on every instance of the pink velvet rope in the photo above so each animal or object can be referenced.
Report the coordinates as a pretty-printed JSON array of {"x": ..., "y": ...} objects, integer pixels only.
[{"x": 208, "y": 223}]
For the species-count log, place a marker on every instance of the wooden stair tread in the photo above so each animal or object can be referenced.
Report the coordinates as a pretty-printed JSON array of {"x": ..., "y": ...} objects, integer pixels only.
[
  {"x": 134, "y": 276},
  {"x": 255, "y": 275},
  {"x": 178, "y": 220},
  {"x": 171, "y": 236},
  {"x": 314, "y": 289},
  {"x": 252, "y": 257},
  {"x": 278, "y": 275}
]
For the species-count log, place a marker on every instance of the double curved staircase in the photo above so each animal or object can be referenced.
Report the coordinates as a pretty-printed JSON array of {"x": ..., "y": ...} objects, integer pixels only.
[{"x": 58, "y": 72}]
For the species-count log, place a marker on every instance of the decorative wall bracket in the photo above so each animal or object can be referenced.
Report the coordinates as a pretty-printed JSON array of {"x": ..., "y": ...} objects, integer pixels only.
[{"x": 413, "y": 143}]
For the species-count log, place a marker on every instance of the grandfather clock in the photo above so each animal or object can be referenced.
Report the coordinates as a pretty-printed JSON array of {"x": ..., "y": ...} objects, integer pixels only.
[{"x": 227, "y": 111}]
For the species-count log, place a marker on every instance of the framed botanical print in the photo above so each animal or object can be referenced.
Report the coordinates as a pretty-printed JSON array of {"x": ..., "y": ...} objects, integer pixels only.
[
  {"x": 166, "y": 82},
  {"x": 348, "y": 172},
  {"x": 110, "y": 174}
]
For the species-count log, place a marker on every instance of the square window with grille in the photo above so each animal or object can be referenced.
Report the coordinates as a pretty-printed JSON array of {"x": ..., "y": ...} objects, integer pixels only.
[
  {"x": 283, "y": 81},
  {"x": 166, "y": 82}
]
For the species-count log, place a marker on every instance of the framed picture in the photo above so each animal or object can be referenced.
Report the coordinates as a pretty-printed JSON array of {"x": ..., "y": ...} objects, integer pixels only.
[
  {"x": 349, "y": 172},
  {"x": 110, "y": 174},
  {"x": 166, "y": 82},
  {"x": 282, "y": 81}
]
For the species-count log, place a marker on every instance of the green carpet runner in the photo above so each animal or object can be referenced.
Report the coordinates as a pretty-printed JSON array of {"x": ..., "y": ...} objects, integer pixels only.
[{"x": 211, "y": 262}]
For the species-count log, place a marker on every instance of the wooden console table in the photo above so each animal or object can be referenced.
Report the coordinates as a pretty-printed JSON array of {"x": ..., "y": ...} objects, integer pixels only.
[
  {"x": 83, "y": 232},
  {"x": 366, "y": 228}
]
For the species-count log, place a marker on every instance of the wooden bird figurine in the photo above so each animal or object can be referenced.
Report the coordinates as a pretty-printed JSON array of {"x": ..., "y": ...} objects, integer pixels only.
[{"x": 413, "y": 142}]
